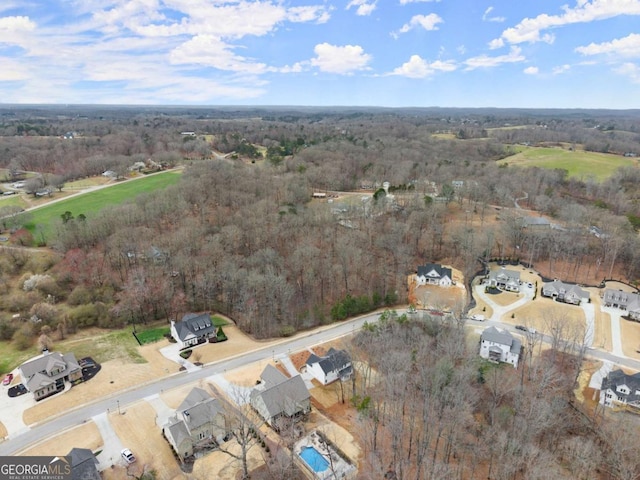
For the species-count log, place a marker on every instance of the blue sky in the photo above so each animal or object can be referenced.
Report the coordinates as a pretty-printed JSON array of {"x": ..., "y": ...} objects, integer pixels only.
[{"x": 395, "y": 53}]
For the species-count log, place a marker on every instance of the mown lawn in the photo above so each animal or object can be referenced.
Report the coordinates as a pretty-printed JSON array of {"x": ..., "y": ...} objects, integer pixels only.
[
  {"x": 91, "y": 203},
  {"x": 578, "y": 163}
]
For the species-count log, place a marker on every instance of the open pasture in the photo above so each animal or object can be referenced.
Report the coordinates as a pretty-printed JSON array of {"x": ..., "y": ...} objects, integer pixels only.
[{"x": 578, "y": 163}]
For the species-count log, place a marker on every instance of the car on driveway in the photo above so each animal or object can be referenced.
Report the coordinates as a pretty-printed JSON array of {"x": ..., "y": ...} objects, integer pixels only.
[
  {"x": 7, "y": 379},
  {"x": 128, "y": 457},
  {"x": 521, "y": 327},
  {"x": 479, "y": 317}
]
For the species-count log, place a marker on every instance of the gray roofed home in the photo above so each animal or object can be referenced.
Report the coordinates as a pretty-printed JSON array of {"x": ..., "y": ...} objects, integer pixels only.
[
  {"x": 535, "y": 222},
  {"x": 46, "y": 375},
  {"x": 84, "y": 464},
  {"x": 198, "y": 421},
  {"x": 193, "y": 329},
  {"x": 619, "y": 388},
  {"x": 278, "y": 396},
  {"x": 433, "y": 274},
  {"x": 500, "y": 346},
  {"x": 336, "y": 364},
  {"x": 630, "y": 302},
  {"x": 505, "y": 279},
  {"x": 565, "y": 292}
]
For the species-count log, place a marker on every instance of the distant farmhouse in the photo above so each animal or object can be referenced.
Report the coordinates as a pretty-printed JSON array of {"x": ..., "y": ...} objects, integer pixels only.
[
  {"x": 432, "y": 274},
  {"x": 193, "y": 329},
  {"x": 505, "y": 279},
  {"x": 277, "y": 396},
  {"x": 535, "y": 223},
  {"x": 618, "y": 388},
  {"x": 46, "y": 375},
  {"x": 564, "y": 292},
  {"x": 630, "y": 302},
  {"x": 336, "y": 364},
  {"x": 198, "y": 421},
  {"x": 500, "y": 346}
]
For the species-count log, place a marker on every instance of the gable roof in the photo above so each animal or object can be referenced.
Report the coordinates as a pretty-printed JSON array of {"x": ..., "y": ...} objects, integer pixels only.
[
  {"x": 631, "y": 301},
  {"x": 617, "y": 378},
  {"x": 433, "y": 270},
  {"x": 84, "y": 464},
  {"x": 502, "y": 337},
  {"x": 199, "y": 408},
  {"x": 505, "y": 275},
  {"x": 568, "y": 289},
  {"x": 194, "y": 325},
  {"x": 283, "y": 396},
  {"x": 333, "y": 361},
  {"x": 36, "y": 373}
]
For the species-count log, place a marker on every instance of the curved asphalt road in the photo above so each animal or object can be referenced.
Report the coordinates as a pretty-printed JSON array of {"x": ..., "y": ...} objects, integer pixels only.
[{"x": 83, "y": 414}]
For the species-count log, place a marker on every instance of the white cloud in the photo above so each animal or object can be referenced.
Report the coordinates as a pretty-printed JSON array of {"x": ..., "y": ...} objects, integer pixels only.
[
  {"x": 628, "y": 46},
  {"x": 530, "y": 29},
  {"x": 417, "y": 67},
  {"x": 14, "y": 25},
  {"x": 485, "y": 61},
  {"x": 363, "y": 7},
  {"x": 487, "y": 18},
  {"x": 406, "y": 2},
  {"x": 560, "y": 69},
  {"x": 630, "y": 70},
  {"x": 531, "y": 70},
  {"x": 340, "y": 59},
  {"x": 213, "y": 52},
  {"x": 12, "y": 70},
  {"x": 311, "y": 13},
  {"x": 428, "y": 22}
]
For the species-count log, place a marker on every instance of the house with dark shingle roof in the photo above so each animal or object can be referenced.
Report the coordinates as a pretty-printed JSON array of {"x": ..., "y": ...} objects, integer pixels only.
[
  {"x": 630, "y": 302},
  {"x": 84, "y": 464},
  {"x": 505, "y": 279},
  {"x": 278, "y": 396},
  {"x": 193, "y": 329},
  {"x": 432, "y": 274},
  {"x": 198, "y": 421},
  {"x": 500, "y": 346},
  {"x": 619, "y": 388},
  {"x": 46, "y": 375},
  {"x": 565, "y": 292},
  {"x": 336, "y": 364}
]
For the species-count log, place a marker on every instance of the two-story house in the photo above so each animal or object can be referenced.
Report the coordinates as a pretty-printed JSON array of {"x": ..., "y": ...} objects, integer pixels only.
[
  {"x": 199, "y": 420},
  {"x": 193, "y": 329},
  {"x": 45, "y": 375},
  {"x": 564, "y": 292},
  {"x": 278, "y": 396},
  {"x": 500, "y": 346},
  {"x": 432, "y": 274},
  {"x": 336, "y": 364},
  {"x": 629, "y": 302},
  {"x": 619, "y": 388},
  {"x": 505, "y": 279}
]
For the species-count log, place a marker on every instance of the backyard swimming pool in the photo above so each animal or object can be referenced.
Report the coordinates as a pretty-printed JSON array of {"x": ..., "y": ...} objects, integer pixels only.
[{"x": 314, "y": 459}]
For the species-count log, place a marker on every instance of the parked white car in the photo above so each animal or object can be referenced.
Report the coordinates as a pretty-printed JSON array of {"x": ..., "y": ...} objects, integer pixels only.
[
  {"x": 479, "y": 317},
  {"x": 128, "y": 457}
]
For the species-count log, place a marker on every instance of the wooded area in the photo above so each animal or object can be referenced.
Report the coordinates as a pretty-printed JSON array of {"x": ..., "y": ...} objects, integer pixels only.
[{"x": 240, "y": 233}]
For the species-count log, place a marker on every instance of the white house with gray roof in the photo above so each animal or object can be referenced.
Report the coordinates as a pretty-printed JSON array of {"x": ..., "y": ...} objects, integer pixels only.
[
  {"x": 505, "y": 279},
  {"x": 193, "y": 329},
  {"x": 433, "y": 274},
  {"x": 630, "y": 302},
  {"x": 500, "y": 346},
  {"x": 198, "y": 421},
  {"x": 565, "y": 292},
  {"x": 619, "y": 388},
  {"x": 278, "y": 396},
  {"x": 46, "y": 375},
  {"x": 336, "y": 364}
]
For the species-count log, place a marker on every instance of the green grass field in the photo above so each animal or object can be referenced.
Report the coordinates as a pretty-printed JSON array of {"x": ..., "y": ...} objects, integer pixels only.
[
  {"x": 578, "y": 163},
  {"x": 91, "y": 203}
]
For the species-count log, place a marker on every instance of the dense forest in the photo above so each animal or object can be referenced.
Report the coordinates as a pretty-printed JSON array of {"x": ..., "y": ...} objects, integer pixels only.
[{"x": 241, "y": 234}]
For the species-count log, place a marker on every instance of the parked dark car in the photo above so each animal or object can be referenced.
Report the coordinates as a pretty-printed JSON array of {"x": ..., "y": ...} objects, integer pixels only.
[{"x": 521, "y": 327}]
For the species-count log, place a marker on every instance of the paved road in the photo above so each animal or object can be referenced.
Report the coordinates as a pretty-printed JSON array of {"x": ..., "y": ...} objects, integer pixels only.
[
  {"x": 121, "y": 400},
  {"x": 22, "y": 440}
]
